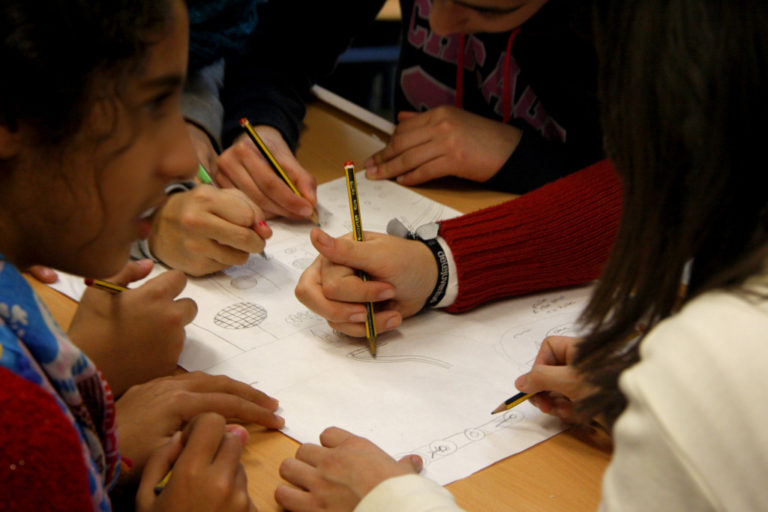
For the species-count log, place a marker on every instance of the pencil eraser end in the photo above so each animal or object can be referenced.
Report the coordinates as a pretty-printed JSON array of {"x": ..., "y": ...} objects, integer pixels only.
[
  {"x": 349, "y": 163},
  {"x": 88, "y": 281},
  {"x": 243, "y": 121}
]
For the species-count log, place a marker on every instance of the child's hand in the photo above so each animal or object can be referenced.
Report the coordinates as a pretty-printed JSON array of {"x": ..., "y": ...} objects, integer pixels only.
[
  {"x": 207, "y": 229},
  {"x": 557, "y": 383},
  {"x": 242, "y": 166},
  {"x": 334, "y": 477},
  {"x": 43, "y": 274},
  {"x": 444, "y": 141},
  {"x": 402, "y": 274},
  {"x": 207, "y": 475},
  {"x": 149, "y": 414},
  {"x": 136, "y": 335}
]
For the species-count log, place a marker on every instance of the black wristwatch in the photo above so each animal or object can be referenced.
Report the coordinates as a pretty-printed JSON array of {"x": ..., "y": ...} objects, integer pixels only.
[{"x": 426, "y": 234}]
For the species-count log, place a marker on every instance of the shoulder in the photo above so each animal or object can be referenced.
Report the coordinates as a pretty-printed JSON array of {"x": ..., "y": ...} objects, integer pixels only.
[
  {"x": 695, "y": 403},
  {"x": 41, "y": 457}
]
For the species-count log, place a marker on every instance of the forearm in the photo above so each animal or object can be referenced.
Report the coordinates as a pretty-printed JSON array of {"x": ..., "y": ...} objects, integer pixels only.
[
  {"x": 537, "y": 161},
  {"x": 270, "y": 83},
  {"x": 558, "y": 235},
  {"x": 200, "y": 101}
]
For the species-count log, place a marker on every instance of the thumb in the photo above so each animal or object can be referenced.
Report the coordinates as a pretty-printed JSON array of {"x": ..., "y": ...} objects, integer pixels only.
[
  {"x": 406, "y": 114},
  {"x": 346, "y": 252},
  {"x": 560, "y": 379},
  {"x": 412, "y": 462},
  {"x": 133, "y": 271}
]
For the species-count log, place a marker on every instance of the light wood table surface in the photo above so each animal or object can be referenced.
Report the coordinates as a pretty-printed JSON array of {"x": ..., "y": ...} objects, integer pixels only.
[
  {"x": 390, "y": 11},
  {"x": 561, "y": 474}
]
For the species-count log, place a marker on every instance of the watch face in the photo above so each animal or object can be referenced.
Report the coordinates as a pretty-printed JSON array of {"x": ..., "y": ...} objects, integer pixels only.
[{"x": 428, "y": 231}]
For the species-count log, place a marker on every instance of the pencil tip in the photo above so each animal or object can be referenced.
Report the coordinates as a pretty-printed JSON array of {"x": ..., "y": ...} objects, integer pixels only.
[{"x": 500, "y": 408}]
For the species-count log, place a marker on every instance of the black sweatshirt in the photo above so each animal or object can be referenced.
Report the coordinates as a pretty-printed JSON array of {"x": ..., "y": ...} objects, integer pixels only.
[{"x": 552, "y": 78}]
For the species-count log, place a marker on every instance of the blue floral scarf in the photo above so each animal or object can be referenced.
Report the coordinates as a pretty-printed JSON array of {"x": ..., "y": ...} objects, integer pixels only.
[{"x": 35, "y": 348}]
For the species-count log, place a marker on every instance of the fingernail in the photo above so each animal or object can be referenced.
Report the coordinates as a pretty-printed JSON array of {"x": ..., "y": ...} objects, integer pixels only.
[
  {"x": 400, "y": 179},
  {"x": 417, "y": 462},
  {"x": 263, "y": 224},
  {"x": 371, "y": 170},
  {"x": 324, "y": 239},
  {"x": 369, "y": 163},
  {"x": 386, "y": 294},
  {"x": 176, "y": 437},
  {"x": 521, "y": 382},
  {"x": 240, "y": 432},
  {"x": 306, "y": 212},
  {"x": 392, "y": 323},
  {"x": 357, "y": 317},
  {"x": 145, "y": 263}
]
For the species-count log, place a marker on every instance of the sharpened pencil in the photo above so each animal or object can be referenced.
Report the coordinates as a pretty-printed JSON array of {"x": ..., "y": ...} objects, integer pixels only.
[
  {"x": 357, "y": 231},
  {"x": 246, "y": 125},
  {"x": 512, "y": 401}
]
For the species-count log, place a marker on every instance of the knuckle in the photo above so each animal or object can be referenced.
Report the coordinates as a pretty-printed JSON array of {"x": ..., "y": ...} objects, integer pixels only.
[
  {"x": 191, "y": 219},
  {"x": 240, "y": 258},
  {"x": 331, "y": 289}
]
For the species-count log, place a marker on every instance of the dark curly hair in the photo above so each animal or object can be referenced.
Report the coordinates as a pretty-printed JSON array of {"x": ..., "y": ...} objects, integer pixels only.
[{"x": 54, "y": 52}]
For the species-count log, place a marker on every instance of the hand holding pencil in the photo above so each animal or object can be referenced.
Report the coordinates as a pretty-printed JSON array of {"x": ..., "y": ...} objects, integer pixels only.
[
  {"x": 553, "y": 384},
  {"x": 135, "y": 334},
  {"x": 243, "y": 166}
]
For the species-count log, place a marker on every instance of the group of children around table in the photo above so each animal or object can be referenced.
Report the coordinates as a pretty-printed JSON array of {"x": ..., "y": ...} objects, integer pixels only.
[{"x": 524, "y": 95}]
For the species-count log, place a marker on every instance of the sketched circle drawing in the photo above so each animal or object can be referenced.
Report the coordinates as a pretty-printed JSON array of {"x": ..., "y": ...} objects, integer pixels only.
[
  {"x": 438, "y": 449},
  {"x": 474, "y": 434},
  {"x": 302, "y": 263},
  {"x": 241, "y": 315}
]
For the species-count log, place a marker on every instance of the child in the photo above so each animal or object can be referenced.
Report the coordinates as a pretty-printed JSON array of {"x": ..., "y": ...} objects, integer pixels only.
[
  {"x": 495, "y": 91},
  {"x": 90, "y": 135},
  {"x": 684, "y": 112}
]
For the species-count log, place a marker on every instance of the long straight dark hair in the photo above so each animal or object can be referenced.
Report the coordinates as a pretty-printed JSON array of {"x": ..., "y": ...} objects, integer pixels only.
[{"x": 685, "y": 113}]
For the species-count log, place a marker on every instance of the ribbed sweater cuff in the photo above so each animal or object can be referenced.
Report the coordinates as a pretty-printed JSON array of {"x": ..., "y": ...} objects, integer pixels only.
[{"x": 558, "y": 235}]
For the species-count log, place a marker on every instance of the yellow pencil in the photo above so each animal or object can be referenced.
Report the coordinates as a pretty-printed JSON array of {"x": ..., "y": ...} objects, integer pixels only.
[
  {"x": 512, "y": 401},
  {"x": 246, "y": 125},
  {"x": 357, "y": 230},
  {"x": 162, "y": 483},
  {"x": 105, "y": 285}
]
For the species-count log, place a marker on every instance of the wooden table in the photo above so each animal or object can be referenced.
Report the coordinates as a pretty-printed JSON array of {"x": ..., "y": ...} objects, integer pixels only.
[
  {"x": 561, "y": 474},
  {"x": 390, "y": 11}
]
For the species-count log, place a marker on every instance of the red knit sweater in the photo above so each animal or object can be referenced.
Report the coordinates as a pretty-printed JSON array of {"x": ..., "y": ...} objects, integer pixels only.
[
  {"x": 41, "y": 459},
  {"x": 558, "y": 235}
]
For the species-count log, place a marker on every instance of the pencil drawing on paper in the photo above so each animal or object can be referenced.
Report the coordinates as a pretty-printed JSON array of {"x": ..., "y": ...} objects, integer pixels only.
[
  {"x": 441, "y": 448},
  {"x": 241, "y": 315},
  {"x": 303, "y": 318},
  {"x": 552, "y": 304},
  {"x": 364, "y": 355}
]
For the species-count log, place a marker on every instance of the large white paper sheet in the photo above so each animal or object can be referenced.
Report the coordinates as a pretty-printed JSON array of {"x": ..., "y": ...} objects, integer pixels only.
[{"x": 435, "y": 380}]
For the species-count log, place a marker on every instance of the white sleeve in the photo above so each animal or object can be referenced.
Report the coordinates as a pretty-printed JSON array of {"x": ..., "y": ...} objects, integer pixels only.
[
  {"x": 408, "y": 493},
  {"x": 452, "y": 288},
  {"x": 693, "y": 434}
]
